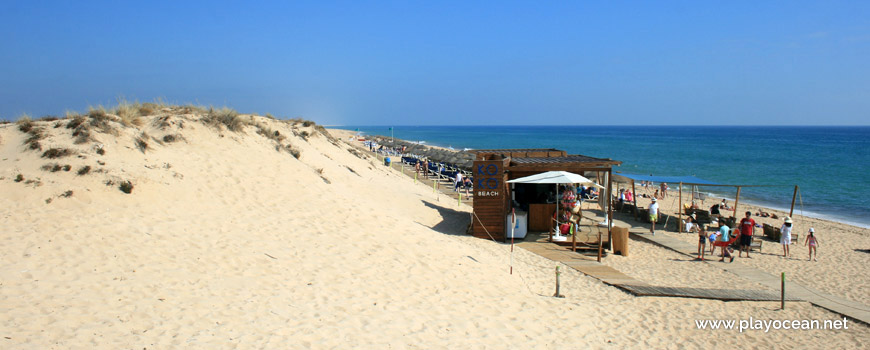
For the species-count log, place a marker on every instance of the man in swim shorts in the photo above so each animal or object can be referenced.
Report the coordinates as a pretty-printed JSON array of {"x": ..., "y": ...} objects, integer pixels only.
[{"x": 653, "y": 216}]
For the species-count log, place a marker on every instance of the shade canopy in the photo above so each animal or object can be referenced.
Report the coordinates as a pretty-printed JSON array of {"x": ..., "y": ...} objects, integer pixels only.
[
  {"x": 555, "y": 177},
  {"x": 686, "y": 180}
]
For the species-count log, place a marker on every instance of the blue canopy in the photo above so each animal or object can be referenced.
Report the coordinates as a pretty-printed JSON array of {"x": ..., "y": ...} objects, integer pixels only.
[{"x": 686, "y": 180}]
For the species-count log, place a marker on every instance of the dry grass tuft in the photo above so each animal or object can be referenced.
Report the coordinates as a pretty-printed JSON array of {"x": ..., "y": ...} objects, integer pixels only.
[
  {"x": 101, "y": 121},
  {"x": 274, "y": 135},
  {"x": 54, "y": 167},
  {"x": 67, "y": 194},
  {"x": 36, "y": 133},
  {"x": 84, "y": 170},
  {"x": 358, "y": 154},
  {"x": 129, "y": 113},
  {"x": 25, "y": 125},
  {"x": 225, "y": 116},
  {"x": 54, "y": 153},
  {"x": 171, "y": 138},
  {"x": 142, "y": 142},
  {"x": 19, "y": 178}
]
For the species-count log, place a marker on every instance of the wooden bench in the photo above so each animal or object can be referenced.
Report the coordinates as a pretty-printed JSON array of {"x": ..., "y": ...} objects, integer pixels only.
[{"x": 757, "y": 242}]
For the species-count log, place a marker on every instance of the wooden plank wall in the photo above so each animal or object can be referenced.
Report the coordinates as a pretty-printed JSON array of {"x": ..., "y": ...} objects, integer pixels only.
[{"x": 491, "y": 198}]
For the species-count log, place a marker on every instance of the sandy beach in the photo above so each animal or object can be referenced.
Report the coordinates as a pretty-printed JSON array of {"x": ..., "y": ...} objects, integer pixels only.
[{"x": 281, "y": 234}]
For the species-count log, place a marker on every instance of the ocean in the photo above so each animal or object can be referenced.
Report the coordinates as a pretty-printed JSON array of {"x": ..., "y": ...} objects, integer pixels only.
[{"x": 829, "y": 164}]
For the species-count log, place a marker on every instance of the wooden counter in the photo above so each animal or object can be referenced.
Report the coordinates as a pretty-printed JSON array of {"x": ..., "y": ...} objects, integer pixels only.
[{"x": 541, "y": 216}]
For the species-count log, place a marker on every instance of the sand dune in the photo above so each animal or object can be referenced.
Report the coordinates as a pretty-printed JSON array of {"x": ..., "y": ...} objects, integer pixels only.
[{"x": 229, "y": 241}]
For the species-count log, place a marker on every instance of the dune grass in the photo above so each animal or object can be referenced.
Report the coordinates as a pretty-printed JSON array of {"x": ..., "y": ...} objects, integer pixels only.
[
  {"x": 54, "y": 153},
  {"x": 142, "y": 142},
  {"x": 225, "y": 116}
]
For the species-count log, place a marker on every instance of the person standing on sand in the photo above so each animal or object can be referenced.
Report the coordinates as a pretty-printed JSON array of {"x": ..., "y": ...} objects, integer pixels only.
[
  {"x": 702, "y": 241},
  {"x": 785, "y": 236},
  {"x": 664, "y": 190},
  {"x": 813, "y": 242},
  {"x": 747, "y": 226},
  {"x": 653, "y": 216},
  {"x": 458, "y": 181}
]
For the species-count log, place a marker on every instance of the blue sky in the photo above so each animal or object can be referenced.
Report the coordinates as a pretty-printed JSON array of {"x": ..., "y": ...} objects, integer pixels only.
[{"x": 448, "y": 63}]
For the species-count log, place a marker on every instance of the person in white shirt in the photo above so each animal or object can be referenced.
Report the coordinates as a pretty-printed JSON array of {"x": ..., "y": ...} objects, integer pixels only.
[{"x": 653, "y": 215}]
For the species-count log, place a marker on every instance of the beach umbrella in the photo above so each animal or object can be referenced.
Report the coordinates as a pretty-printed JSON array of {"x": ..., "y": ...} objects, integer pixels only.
[{"x": 555, "y": 177}]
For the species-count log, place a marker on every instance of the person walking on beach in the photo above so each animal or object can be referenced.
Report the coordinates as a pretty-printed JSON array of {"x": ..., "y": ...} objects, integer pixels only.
[
  {"x": 664, "y": 190},
  {"x": 813, "y": 242},
  {"x": 785, "y": 237},
  {"x": 724, "y": 231},
  {"x": 653, "y": 216},
  {"x": 458, "y": 181},
  {"x": 747, "y": 227},
  {"x": 468, "y": 185}
]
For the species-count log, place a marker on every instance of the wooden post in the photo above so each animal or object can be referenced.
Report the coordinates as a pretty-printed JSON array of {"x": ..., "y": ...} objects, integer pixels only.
[
  {"x": 557, "y": 295},
  {"x": 793, "y": 197},
  {"x": 782, "y": 293},
  {"x": 736, "y": 201},
  {"x": 680, "y": 210},
  {"x": 574, "y": 237},
  {"x": 599, "y": 245},
  {"x": 634, "y": 199},
  {"x": 609, "y": 213}
]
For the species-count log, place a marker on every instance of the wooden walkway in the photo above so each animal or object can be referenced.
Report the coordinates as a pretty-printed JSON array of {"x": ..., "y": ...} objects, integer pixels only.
[
  {"x": 794, "y": 291},
  {"x": 702, "y": 293}
]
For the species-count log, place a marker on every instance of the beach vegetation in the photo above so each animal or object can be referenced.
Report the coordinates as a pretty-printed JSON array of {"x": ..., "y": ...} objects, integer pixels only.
[
  {"x": 19, "y": 178},
  {"x": 126, "y": 187},
  {"x": 171, "y": 138},
  {"x": 162, "y": 122},
  {"x": 128, "y": 113},
  {"x": 358, "y": 154},
  {"x": 101, "y": 120},
  {"x": 304, "y": 134},
  {"x": 48, "y": 118},
  {"x": 84, "y": 170},
  {"x": 25, "y": 124},
  {"x": 53, "y": 167},
  {"x": 67, "y": 194},
  {"x": 225, "y": 116},
  {"x": 54, "y": 153},
  {"x": 142, "y": 142}
]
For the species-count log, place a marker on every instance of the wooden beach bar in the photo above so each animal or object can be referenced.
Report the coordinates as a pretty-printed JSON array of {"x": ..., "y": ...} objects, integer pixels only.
[{"x": 494, "y": 197}]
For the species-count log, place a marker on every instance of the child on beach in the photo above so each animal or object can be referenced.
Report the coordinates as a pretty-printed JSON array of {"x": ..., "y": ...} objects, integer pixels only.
[
  {"x": 702, "y": 242},
  {"x": 813, "y": 242},
  {"x": 713, "y": 237}
]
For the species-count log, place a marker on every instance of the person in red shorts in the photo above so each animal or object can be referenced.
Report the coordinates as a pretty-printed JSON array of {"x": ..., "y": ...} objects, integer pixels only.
[{"x": 747, "y": 227}]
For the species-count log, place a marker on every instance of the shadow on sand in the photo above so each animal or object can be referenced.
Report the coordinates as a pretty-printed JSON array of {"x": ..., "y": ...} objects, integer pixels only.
[{"x": 453, "y": 222}]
